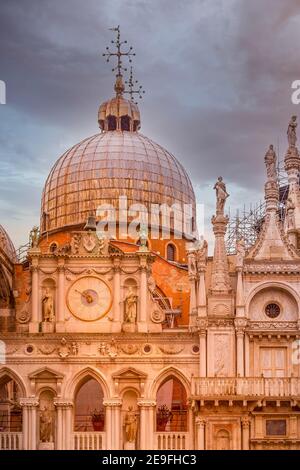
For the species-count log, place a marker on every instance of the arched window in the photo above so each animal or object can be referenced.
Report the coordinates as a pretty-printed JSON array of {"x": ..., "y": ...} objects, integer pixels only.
[
  {"x": 89, "y": 409},
  {"x": 171, "y": 406},
  {"x": 125, "y": 123},
  {"x": 111, "y": 123},
  {"x": 10, "y": 410},
  {"x": 171, "y": 252}
]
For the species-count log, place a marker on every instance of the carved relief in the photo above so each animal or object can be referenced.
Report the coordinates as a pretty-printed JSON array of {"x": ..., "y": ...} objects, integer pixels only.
[
  {"x": 171, "y": 348},
  {"x": 222, "y": 348}
]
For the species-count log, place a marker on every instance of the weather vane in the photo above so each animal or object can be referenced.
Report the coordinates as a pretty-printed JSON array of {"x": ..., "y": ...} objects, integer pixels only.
[
  {"x": 131, "y": 84},
  {"x": 119, "y": 68}
]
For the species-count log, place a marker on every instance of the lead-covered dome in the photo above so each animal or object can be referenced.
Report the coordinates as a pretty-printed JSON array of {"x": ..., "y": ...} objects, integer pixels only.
[
  {"x": 104, "y": 167},
  {"x": 6, "y": 245}
]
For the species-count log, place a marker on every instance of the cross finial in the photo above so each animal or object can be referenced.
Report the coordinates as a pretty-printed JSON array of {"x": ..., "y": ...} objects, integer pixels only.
[
  {"x": 131, "y": 84},
  {"x": 119, "y": 54}
]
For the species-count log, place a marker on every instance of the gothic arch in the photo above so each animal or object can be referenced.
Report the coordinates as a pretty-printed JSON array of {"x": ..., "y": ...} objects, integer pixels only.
[
  {"x": 78, "y": 378},
  {"x": 165, "y": 374},
  {"x": 5, "y": 371},
  {"x": 271, "y": 284}
]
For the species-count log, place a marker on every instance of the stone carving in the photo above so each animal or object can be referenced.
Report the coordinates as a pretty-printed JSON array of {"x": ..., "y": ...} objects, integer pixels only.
[
  {"x": 48, "y": 306},
  {"x": 290, "y": 214},
  {"x": 221, "y": 195},
  {"x": 112, "y": 349},
  {"x": 157, "y": 316},
  {"x": 130, "y": 425},
  {"x": 221, "y": 356},
  {"x": 102, "y": 243},
  {"x": 270, "y": 162},
  {"x": 23, "y": 317},
  {"x": 34, "y": 237},
  {"x": 202, "y": 253},
  {"x": 130, "y": 348},
  {"x": 151, "y": 284},
  {"x": 192, "y": 267},
  {"x": 240, "y": 252},
  {"x": 75, "y": 243},
  {"x": 102, "y": 349},
  {"x": 74, "y": 348},
  {"x": 64, "y": 349},
  {"x": 47, "y": 349},
  {"x": 291, "y": 132},
  {"x": 46, "y": 425},
  {"x": 171, "y": 348},
  {"x": 130, "y": 313},
  {"x": 143, "y": 237},
  {"x": 89, "y": 242}
]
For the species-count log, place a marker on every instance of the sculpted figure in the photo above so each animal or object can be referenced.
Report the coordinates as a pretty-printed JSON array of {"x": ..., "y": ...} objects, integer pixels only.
[
  {"x": 291, "y": 132},
  {"x": 221, "y": 194},
  {"x": 240, "y": 252},
  {"x": 202, "y": 252},
  {"x": 270, "y": 161},
  {"x": 290, "y": 217},
  {"x": 130, "y": 424},
  {"x": 192, "y": 263},
  {"x": 130, "y": 306},
  {"x": 48, "y": 306},
  {"x": 46, "y": 422},
  {"x": 34, "y": 237}
]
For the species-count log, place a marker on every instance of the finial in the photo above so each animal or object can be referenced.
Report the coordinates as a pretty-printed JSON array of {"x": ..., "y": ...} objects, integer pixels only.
[
  {"x": 119, "y": 68},
  {"x": 291, "y": 132},
  {"x": 131, "y": 84}
]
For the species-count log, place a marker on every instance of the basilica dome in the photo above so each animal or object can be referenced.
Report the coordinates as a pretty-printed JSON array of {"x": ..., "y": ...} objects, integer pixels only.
[
  {"x": 6, "y": 245},
  {"x": 118, "y": 161}
]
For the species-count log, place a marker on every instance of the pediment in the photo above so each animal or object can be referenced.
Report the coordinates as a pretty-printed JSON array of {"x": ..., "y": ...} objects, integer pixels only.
[
  {"x": 129, "y": 373},
  {"x": 45, "y": 373}
]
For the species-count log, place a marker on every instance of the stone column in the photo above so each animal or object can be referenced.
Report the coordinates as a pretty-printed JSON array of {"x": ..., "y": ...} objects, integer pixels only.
[
  {"x": 29, "y": 427},
  {"x": 60, "y": 315},
  {"x": 200, "y": 426},
  {"x": 110, "y": 422},
  {"x": 240, "y": 325},
  {"x": 35, "y": 307},
  {"x": 142, "y": 313},
  {"x": 116, "y": 423},
  {"x": 147, "y": 417},
  {"x": 68, "y": 429},
  {"x": 59, "y": 425},
  {"x": 202, "y": 329},
  {"x": 25, "y": 423},
  {"x": 116, "y": 326},
  {"x": 201, "y": 300},
  {"x": 245, "y": 432}
]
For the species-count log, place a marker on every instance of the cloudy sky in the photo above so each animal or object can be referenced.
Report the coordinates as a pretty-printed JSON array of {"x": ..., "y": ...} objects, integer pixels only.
[{"x": 217, "y": 75}]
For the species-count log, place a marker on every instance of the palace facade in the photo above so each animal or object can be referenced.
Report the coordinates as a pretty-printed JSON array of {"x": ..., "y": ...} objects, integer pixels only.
[{"x": 148, "y": 342}]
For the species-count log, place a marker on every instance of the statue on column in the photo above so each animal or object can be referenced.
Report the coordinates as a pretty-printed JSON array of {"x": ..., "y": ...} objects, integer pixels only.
[
  {"x": 130, "y": 306},
  {"x": 34, "y": 237},
  {"x": 221, "y": 194},
  {"x": 48, "y": 306},
  {"x": 270, "y": 162},
  {"x": 46, "y": 425},
  {"x": 290, "y": 214},
  {"x": 202, "y": 253},
  {"x": 240, "y": 252},
  {"x": 192, "y": 268},
  {"x": 130, "y": 424},
  {"x": 291, "y": 132}
]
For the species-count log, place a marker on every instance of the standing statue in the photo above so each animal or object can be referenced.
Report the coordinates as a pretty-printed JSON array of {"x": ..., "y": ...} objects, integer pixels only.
[
  {"x": 202, "y": 253},
  {"x": 143, "y": 237},
  {"x": 290, "y": 214},
  {"x": 34, "y": 237},
  {"x": 130, "y": 306},
  {"x": 130, "y": 424},
  {"x": 192, "y": 268},
  {"x": 291, "y": 132},
  {"x": 221, "y": 194},
  {"x": 270, "y": 161},
  {"x": 240, "y": 252},
  {"x": 46, "y": 424},
  {"x": 48, "y": 306}
]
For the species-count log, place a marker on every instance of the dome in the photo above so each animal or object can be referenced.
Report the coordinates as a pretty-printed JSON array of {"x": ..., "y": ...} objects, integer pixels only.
[
  {"x": 105, "y": 166},
  {"x": 7, "y": 246}
]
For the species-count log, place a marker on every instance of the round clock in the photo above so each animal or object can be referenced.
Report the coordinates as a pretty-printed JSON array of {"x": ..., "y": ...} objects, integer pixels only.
[{"x": 89, "y": 298}]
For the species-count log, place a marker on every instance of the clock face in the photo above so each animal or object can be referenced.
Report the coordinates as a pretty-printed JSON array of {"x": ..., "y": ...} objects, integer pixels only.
[{"x": 89, "y": 298}]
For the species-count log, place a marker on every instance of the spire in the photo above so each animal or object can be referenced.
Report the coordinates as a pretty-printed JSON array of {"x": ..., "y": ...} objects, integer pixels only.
[{"x": 220, "y": 282}]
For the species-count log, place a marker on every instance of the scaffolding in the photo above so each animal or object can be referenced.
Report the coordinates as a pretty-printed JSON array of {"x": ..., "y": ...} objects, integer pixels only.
[{"x": 247, "y": 223}]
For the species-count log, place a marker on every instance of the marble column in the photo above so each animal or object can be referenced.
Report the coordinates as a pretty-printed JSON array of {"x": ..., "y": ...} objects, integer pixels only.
[
  {"x": 35, "y": 307},
  {"x": 201, "y": 297},
  {"x": 142, "y": 313},
  {"x": 29, "y": 427},
  {"x": 245, "y": 432},
  {"x": 26, "y": 425},
  {"x": 60, "y": 316},
  {"x": 147, "y": 423},
  {"x": 240, "y": 325},
  {"x": 200, "y": 426},
  {"x": 193, "y": 299},
  {"x": 108, "y": 424},
  {"x": 59, "y": 425},
  {"x": 116, "y": 326},
  {"x": 202, "y": 352},
  {"x": 113, "y": 423},
  {"x": 68, "y": 427}
]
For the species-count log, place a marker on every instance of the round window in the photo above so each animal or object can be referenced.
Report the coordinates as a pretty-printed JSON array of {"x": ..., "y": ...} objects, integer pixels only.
[{"x": 272, "y": 310}]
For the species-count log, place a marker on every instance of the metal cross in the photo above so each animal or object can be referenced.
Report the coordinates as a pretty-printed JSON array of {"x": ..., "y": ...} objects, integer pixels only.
[
  {"x": 131, "y": 84},
  {"x": 118, "y": 54}
]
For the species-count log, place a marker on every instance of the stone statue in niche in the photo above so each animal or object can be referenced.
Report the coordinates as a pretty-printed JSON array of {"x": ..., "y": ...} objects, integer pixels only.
[
  {"x": 291, "y": 132},
  {"x": 130, "y": 425},
  {"x": 221, "y": 194},
  {"x": 270, "y": 162},
  {"x": 48, "y": 306},
  {"x": 240, "y": 252},
  {"x": 290, "y": 214},
  {"x": 130, "y": 306},
  {"x": 46, "y": 424}
]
